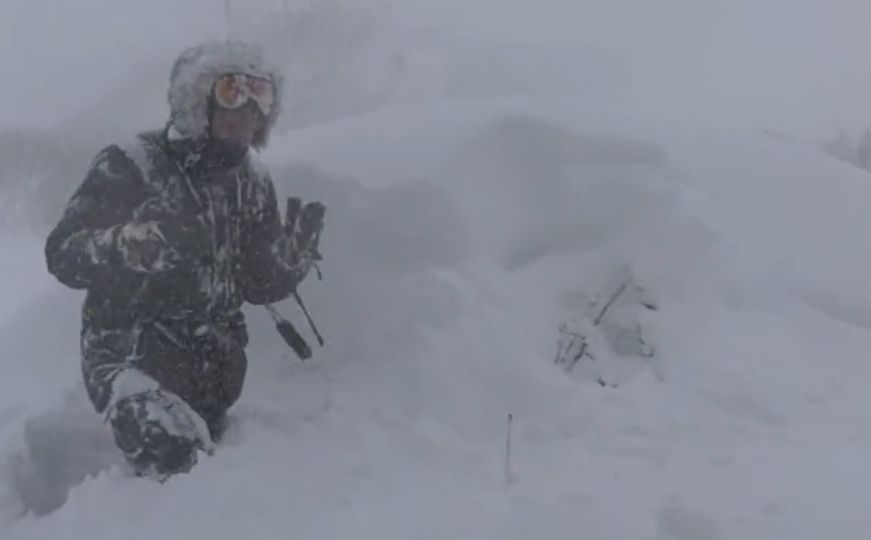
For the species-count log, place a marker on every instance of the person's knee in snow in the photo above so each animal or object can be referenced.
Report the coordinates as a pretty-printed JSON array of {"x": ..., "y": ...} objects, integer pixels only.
[{"x": 158, "y": 433}]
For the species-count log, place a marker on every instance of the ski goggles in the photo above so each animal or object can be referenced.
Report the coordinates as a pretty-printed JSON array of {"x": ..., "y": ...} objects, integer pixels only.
[{"x": 234, "y": 90}]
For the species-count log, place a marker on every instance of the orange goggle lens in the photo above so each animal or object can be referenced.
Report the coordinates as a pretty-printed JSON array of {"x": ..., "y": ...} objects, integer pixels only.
[{"x": 235, "y": 90}]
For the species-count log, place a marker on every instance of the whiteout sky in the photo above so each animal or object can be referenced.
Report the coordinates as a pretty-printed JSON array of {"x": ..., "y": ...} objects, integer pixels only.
[{"x": 799, "y": 66}]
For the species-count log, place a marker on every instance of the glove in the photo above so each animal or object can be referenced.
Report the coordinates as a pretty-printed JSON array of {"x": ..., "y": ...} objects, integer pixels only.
[
  {"x": 143, "y": 247},
  {"x": 302, "y": 230},
  {"x": 158, "y": 239}
]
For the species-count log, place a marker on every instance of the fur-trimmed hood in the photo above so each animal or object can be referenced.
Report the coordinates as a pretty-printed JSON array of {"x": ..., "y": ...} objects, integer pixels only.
[{"x": 195, "y": 73}]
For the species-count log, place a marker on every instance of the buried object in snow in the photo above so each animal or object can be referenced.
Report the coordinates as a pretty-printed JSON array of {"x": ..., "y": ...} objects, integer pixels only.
[{"x": 603, "y": 339}]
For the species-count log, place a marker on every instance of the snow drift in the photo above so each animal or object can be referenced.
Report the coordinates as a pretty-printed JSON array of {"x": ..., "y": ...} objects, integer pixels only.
[
  {"x": 463, "y": 229},
  {"x": 442, "y": 295}
]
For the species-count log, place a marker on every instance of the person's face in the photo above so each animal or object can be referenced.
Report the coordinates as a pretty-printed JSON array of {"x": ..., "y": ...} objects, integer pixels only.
[{"x": 237, "y": 126}]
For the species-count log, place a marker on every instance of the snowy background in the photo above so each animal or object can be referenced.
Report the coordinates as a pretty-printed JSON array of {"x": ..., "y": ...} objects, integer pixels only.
[{"x": 484, "y": 165}]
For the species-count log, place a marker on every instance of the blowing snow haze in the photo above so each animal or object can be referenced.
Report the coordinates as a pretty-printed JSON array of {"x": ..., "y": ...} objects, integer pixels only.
[
  {"x": 788, "y": 65},
  {"x": 610, "y": 219}
]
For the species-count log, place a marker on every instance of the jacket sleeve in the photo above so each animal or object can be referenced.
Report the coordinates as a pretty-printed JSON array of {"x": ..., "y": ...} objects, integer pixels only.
[
  {"x": 266, "y": 277},
  {"x": 80, "y": 251}
]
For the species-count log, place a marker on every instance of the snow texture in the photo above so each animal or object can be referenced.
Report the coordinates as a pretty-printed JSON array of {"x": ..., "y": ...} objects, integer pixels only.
[{"x": 463, "y": 229}]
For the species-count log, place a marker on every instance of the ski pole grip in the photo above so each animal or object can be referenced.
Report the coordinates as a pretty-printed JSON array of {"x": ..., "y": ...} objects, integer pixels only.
[{"x": 294, "y": 339}]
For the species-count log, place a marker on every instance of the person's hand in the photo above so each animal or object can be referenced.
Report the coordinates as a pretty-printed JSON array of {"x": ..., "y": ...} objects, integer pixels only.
[
  {"x": 143, "y": 247},
  {"x": 158, "y": 239},
  {"x": 303, "y": 226}
]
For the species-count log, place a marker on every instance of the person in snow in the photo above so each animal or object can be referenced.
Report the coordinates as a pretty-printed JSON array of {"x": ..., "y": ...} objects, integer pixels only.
[{"x": 170, "y": 235}]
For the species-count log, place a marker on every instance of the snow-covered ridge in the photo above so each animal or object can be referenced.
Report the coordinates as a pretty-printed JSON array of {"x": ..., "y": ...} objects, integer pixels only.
[
  {"x": 441, "y": 300},
  {"x": 463, "y": 228}
]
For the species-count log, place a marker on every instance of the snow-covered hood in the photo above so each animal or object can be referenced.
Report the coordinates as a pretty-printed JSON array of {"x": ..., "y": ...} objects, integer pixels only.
[{"x": 197, "y": 69}]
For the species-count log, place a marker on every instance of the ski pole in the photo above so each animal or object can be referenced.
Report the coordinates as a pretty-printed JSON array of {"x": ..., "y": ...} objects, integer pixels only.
[
  {"x": 308, "y": 317},
  {"x": 293, "y": 338}
]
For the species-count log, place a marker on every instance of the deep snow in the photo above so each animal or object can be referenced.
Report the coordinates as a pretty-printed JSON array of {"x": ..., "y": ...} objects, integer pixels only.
[
  {"x": 441, "y": 309},
  {"x": 463, "y": 227}
]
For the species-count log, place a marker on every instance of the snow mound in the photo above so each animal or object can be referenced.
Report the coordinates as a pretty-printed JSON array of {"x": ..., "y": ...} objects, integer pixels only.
[{"x": 459, "y": 237}]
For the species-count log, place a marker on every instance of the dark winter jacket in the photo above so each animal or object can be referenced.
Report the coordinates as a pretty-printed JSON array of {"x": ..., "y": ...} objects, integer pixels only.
[{"x": 181, "y": 325}]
